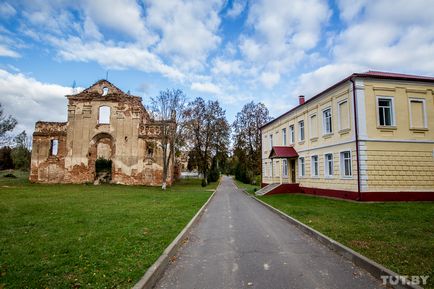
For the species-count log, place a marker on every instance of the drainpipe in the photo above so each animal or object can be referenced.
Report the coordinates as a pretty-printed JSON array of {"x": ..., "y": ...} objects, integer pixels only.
[{"x": 357, "y": 139}]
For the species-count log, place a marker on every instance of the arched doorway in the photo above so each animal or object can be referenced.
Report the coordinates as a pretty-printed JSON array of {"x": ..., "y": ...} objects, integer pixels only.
[{"x": 101, "y": 151}]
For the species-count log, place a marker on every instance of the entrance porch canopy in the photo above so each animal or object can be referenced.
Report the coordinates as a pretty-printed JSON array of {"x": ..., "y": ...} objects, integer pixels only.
[{"x": 282, "y": 152}]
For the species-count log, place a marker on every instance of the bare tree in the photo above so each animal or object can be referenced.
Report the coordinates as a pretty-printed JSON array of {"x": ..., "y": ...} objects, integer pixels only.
[
  {"x": 168, "y": 108},
  {"x": 7, "y": 124},
  {"x": 208, "y": 132}
]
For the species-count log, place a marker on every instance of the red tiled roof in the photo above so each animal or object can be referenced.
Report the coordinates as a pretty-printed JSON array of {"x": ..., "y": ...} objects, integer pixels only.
[
  {"x": 368, "y": 74},
  {"x": 282, "y": 152}
]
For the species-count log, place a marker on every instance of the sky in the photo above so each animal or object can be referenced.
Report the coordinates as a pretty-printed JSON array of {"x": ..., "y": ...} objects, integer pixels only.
[{"x": 233, "y": 51}]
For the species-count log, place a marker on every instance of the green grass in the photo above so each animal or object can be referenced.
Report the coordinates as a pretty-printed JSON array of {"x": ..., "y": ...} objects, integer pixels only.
[
  {"x": 248, "y": 187},
  {"x": 71, "y": 236},
  {"x": 399, "y": 236}
]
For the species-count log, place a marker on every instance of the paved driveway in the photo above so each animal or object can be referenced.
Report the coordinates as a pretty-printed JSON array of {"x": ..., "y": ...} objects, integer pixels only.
[{"x": 238, "y": 243}]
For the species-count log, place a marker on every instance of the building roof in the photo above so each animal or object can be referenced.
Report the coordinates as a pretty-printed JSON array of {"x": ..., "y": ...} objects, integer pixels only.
[
  {"x": 369, "y": 74},
  {"x": 282, "y": 152}
]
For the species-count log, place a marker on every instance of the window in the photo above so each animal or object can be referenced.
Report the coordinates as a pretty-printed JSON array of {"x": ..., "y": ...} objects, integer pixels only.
[
  {"x": 301, "y": 130},
  {"x": 385, "y": 111},
  {"x": 314, "y": 166},
  {"x": 271, "y": 141},
  {"x": 343, "y": 115},
  {"x": 271, "y": 169},
  {"x": 313, "y": 126},
  {"x": 54, "y": 147},
  {"x": 264, "y": 169},
  {"x": 327, "y": 121},
  {"x": 284, "y": 168},
  {"x": 346, "y": 164},
  {"x": 150, "y": 152},
  {"x": 104, "y": 115},
  {"x": 105, "y": 91},
  {"x": 328, "y": 165},
  {"x": 284, "y": 136},
  {"x": 291, "y": 134},
  {"x": 301, "y": 170},
  {"x": 417, "y": 113}
]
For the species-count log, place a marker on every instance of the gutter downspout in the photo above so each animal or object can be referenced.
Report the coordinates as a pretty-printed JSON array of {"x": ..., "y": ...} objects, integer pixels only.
[{"x": 357, "y": 139}]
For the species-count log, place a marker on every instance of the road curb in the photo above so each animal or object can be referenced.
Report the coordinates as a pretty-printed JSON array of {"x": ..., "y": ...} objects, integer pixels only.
[
  {"x": 157, "y": 269},
  {"x": 361, "y": 261}
]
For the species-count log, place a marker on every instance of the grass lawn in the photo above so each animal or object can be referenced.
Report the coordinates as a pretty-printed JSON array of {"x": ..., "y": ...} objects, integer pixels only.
[
  {"x": 248, "y": 187},
  {"x": 399, "y": 236},
  {"x": 72, "y": 236}
]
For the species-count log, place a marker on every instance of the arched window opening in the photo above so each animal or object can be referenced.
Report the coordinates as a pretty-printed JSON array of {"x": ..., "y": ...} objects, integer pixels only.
[
  {"x": 54, "y": 147},
  {"x": 104, "y": 115},
  {"x": 105, "y": 91}
]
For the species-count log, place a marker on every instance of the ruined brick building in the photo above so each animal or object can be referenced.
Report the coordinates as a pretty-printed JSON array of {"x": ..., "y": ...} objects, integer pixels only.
[{"x": 103, "y": 123}]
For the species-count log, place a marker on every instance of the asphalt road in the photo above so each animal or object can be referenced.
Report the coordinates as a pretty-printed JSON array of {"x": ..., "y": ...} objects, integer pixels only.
[{"x": 238, "y": 243}]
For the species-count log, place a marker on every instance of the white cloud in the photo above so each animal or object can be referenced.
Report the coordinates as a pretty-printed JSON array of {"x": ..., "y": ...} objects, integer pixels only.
[
  {"x": 188, "y": 30},
  {"x": 269, "y": 79},
  {"x": 5, "y": 51},
  {"x": 110, "y": 55},
  {"x": 29, "y": 100},
  {"x": 7, "y": 10},
  {"x": 206, "y": 87},
  {"x": 237, "y": 8}
]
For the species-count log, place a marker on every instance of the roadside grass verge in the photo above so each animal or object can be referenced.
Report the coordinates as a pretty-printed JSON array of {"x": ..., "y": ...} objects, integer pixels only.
[
  {"x": 251, "y": 189},
  {"x": 400, "y": 236},
  {"x": 72, "y": 236}
]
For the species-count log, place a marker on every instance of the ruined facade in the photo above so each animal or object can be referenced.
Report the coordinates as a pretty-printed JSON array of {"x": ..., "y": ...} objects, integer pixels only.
[{"x": 104, "y": 123}]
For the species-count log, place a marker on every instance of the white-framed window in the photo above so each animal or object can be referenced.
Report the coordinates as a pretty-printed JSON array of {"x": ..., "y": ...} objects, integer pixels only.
[
  {"x": 104, "y": 115},
  {"x": 328, "y": 165},
  {"x": 284, "y": 168},
  {"x": 264, "y": 169},
  {"x": 313, "y": 126},
  {"x": 418, "y": 118},
  {"x": 327, "y": 121},
  {"x": 271, "y": 141},
  {"x": 343, "y": 115},
  {"x": 301, "y": 167},
  {"x": 54, "y": 147},
  {"x": 291, "y": 134},
  {"x": 314, "y": 166},
  {"x": 301, "y": 130},
  {"x": 272, "y": 169},
  {"x": 345, "y": 162},
  {"x": 385, "y": 110},
  {"x": 284, "y": 136}
]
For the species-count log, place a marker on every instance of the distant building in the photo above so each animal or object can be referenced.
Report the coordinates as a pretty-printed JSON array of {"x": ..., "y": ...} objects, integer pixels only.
[
  {"x": 369, "y": 137},
  {"x": 104, "y": 123}
]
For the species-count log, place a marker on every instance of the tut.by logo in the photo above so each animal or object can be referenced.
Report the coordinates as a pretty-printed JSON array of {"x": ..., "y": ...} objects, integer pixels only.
[{"x": 404, "y": 280}]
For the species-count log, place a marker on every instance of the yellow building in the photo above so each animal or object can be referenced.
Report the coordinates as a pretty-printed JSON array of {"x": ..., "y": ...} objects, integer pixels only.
[{"x": 369, "y": 137}]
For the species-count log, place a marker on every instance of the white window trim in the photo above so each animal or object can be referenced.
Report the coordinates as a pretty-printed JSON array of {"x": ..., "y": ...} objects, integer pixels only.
[
  {"x": 285, "y": 161},
  {"x": 341, "y": 167},
  {"x": 291, "y": 134},
  {"x": 271, "y": 141},
  {"x": 326, "y": 175},
  {"x": 393, "y": 111},
  {"x": 311, "y": 135},
  {"x": 301, "y": 173},
  {"x": 312, "y": 167},
  {"x": 102, "y": 118},
  {"x": 284, "y": 136},
  {"x": 425, "y": 120},
  {"x": 331, "y": 121},
  {"x": 339, "y": 113},
  {"x": 299, "y": 131}
]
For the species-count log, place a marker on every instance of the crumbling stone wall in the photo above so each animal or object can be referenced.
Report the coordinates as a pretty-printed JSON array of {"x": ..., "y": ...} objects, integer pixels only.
[{"x": 131, "y": 139}]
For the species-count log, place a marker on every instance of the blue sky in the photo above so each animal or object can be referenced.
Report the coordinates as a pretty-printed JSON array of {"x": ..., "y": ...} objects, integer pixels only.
[{"x": 236, "y": 51}]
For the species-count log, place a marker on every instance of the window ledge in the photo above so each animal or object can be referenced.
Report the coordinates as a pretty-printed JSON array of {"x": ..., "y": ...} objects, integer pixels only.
[
  {"x": 386, "y": 128},
  {"x": 419, "y": 129},
  {"x": 344, "y": 131},
  {"x": 327, "y": 135},
  {"x": 314, "y": 138},
  {"x": 301, "y": 142},
  {"x": 347, "y": 178}
]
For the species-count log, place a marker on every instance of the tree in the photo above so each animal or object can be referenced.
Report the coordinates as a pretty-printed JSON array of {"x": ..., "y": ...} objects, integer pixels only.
[
  {"x": 208, "y": 130},
  {"x": 21, "y": 155},
  {"x": 7, "y": 124},
  {"x": 247, "y": 140},
  {"x": 6, "y": 158},
  {"x": 168, "y": 108}
]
